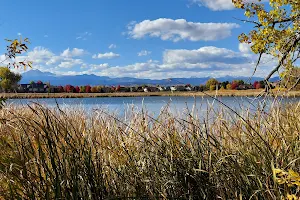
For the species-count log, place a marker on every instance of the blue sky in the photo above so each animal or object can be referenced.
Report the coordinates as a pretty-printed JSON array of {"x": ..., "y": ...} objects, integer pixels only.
[{"x": 147, "y": 39}]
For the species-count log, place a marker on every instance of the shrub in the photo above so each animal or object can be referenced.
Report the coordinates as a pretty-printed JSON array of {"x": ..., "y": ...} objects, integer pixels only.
[
  {"x": 228, "y": 86},
  {"x": 202, "y": 88},
  {"x": 212, "y": 87}
]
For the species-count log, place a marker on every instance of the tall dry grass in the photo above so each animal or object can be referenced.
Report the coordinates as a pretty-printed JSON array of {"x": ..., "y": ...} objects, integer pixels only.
[{"x": 69, "y": 154}]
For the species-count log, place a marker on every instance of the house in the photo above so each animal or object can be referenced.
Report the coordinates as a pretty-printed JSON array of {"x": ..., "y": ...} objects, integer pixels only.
[
  {"x": 188, "y": 88},
  {"x": 151, "y": 89},
  {"x": 133, "y": 89},
  {"x": 140, "y": 89},
  {"x": 275, "y": 84},
  {"x": 107, "y": 90},
  {"x": 124, "y": 89},
  {"x": 34, "y": 87},
  {"x": 162, "y": 88},
  {"x": 178, "y": 88},
  {"x": 245, "y": 87}
]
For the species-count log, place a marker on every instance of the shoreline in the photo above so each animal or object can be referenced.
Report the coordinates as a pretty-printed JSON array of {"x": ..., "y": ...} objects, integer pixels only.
[{"x": 223, "y": 93}]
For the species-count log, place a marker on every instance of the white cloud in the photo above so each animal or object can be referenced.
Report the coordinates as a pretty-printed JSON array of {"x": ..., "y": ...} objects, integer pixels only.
[
  {"x": 205, "y": 61},
  {"x": 144, "y": 53},
  {"x": 70, "y": 63},
  {"x": 19, "y": 34},
  {"x": 44, "y": 59},
  {"x": 244, "y": 48},
  {"x": 75, "y": 52},
  {"x": 112, "y": 46},
  {"x": 53, "y": 60},
  {"x": 207, "y": 54},
  {"x": 108, "y": 55},
  {"x": 3, "y": 60},
  {"x": 40, "y": 55},
  {"x": 217, "y": 5},
  {"x": 99, "y": 67},
  {"x": 180, "y": 29}
]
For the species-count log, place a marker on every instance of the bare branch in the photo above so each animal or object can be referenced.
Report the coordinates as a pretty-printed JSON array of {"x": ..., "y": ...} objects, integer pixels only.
[{"x": 249, "y": 21}]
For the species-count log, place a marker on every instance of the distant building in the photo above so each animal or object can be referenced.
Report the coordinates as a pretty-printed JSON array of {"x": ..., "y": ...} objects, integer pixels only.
[
  {"x": 178, "y": 88},
  {"x": 151, "y": 89},
  {"x": 34, "y": 87}
]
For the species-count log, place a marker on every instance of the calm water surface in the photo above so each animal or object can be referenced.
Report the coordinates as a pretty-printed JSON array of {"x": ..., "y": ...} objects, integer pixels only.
[{"x": 155, "y": 104}]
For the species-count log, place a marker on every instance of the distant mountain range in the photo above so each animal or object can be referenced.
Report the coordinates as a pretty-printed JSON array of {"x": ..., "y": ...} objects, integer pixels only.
[{"x": 85, "y": 79}]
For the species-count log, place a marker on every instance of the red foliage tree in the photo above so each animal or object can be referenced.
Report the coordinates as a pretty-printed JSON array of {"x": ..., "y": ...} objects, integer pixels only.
[
  {"x": 118, "y": 88},
  {"x": 77, "y": 89},
  {"x": 258, "y": 85},
  {"x": 69, "y": 88},
  {"x": 39, "y": 82},
  {"x": 60, "y": 88},
  {"x": 255, "y": 84},
  {"x": 234, "y": 85},
  {"x": 88, "y": 89}
]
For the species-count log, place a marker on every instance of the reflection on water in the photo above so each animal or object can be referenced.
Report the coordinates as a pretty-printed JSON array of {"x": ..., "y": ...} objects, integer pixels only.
[{"x": 178, "y": 105}]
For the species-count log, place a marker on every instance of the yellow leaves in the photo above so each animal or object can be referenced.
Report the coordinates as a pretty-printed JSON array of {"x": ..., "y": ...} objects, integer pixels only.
[
  {"x": 262, "y": 15},
  {"x": 17, "y": 47},
  {"x": 248, "y": 13},
  {"x": 238, "y": 3},
  {"x": 291, "y": 197},
  {"x": 290, "y": 179}
]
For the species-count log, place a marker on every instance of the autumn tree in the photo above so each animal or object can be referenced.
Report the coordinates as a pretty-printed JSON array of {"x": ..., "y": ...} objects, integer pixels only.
[
  {"x": 118, "y": 88},
  {"x": 255, "y": 85},
  {"x": 69, "y": 88},
  {"x": 82, "y": 89},
  {"x": 94, "y": 89},
  {"x": 211, "y": 82},
  {"x": 88, "y": 88},
  {"x": 8, "y": 79},
  {"x": 234, "y": 85},
  {"x": 60, "y": 88},
  {"x": 77, "y": 89},
  {"x": 276, "y": 33}
]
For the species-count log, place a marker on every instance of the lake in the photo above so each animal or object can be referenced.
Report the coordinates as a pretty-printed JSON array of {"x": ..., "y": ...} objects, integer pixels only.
[{"x": 154, "y": 105}]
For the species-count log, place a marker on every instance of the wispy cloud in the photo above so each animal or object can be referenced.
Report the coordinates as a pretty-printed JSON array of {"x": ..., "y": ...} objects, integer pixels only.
[
  {"x": 112, "y": 46},
  {"x": 83, "y": 36},
  {"x": 144, "y": 53},
  {"x": 108, "y": 55}
]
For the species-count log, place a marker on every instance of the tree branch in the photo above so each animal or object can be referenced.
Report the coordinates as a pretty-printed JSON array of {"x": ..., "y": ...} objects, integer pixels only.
[
  {"x": 297, "y": 82},
  {"x": 249, "y": 21},
  {"x": 282, "y": 59}
]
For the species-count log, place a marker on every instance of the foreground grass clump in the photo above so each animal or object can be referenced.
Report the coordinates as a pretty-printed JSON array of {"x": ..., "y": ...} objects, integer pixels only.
[{"x": 50, "y": 153}]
